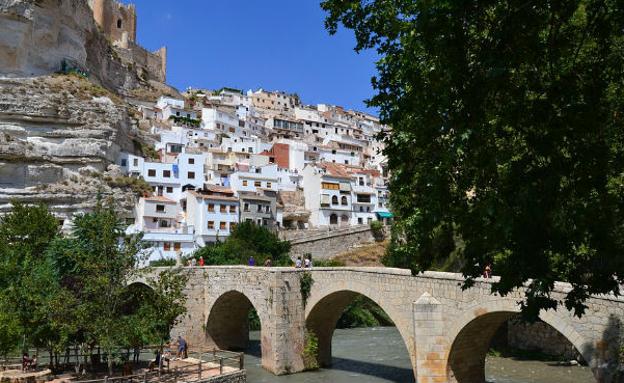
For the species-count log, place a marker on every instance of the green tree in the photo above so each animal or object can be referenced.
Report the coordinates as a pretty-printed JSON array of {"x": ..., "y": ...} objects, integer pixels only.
[
  {"x": 507, "y": 129},
  {"x": 246, "y": 240},
  {"x": 25, "y": 285}
]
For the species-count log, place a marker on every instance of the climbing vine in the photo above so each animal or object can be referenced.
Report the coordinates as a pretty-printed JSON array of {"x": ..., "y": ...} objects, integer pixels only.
[
  {"x": 305, "y": 285},
  {"x": 310, "y": 351}
]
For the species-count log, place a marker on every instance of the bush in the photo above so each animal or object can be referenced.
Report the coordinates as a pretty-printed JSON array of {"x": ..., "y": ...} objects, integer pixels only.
[
  {"x": 138, "y": 185},
  {"x": 247, "y": 239},
  {"x": 163, "y": 262},
  {"x": 378, "y": 230},
  {"x": 328, "y": 263},
  {"x": 310, "y": 351}
]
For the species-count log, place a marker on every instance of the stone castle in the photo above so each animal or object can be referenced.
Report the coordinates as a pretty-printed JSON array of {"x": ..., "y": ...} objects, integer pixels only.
[{"x": 119, "y": 23}]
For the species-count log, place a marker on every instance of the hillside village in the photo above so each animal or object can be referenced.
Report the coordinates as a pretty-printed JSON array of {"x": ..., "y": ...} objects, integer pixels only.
[
  {"x": 185, "y": 168},
  {"x": 228, "y": 156}
]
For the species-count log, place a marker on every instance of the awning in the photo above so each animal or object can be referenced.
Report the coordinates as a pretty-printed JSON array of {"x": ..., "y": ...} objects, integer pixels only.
[{"x": 383, "y": 214}]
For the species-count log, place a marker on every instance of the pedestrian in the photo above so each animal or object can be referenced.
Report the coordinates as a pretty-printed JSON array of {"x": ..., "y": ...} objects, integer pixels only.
[
  {"x": 298, "y": 262},
  {"x": 201, "y": 261},
  {"x": 182, "y": 351},
  {"x": 193, "y": 262},
  {"x": 307, "y": 262},
  {"x": 487, "y": 272},
  {"x": 252, "y": 261},
  {"x": 268, "y": 262}
]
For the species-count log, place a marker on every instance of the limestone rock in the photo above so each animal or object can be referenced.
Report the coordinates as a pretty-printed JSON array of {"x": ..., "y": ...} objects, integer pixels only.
[{"x": 59, "y": 139}]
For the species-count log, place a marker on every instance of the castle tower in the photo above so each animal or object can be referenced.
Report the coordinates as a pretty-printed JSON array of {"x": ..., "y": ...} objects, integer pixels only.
[{"x": 115, "y": 19}]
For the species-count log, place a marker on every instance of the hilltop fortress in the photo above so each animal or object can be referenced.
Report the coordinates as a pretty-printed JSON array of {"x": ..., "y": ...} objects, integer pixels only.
[
  {"x": 119, "y": 23},
  {"x": 98, "y": 36}
]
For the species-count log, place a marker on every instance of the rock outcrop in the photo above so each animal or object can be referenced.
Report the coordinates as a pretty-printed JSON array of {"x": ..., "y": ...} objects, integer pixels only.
[
  {"x": 37, "y": 36},
  {"x": 59, "y": 137}
]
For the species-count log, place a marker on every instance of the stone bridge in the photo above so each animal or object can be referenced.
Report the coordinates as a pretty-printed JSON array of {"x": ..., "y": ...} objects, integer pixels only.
[{"x": 446, "y": 331}]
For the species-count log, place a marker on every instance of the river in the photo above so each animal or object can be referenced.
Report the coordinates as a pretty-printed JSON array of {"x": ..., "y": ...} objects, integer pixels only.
[{"x": 375, "y": 355}]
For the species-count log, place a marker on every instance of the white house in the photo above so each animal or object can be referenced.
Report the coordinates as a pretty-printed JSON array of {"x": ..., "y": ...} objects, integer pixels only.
[
  {"x": 255, "y": 178},
  {"x": 328, "y": 194},
  {"x": 211, "y": 214}
]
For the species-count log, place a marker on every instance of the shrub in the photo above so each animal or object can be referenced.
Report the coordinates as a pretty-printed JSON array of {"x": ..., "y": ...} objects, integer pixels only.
[
  {"x": 305, "y": 286},
  {"x": 310, "y": 351},
  {"x": 378, "y": 231}
]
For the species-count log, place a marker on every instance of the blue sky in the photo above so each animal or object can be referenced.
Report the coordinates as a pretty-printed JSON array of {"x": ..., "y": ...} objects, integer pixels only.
[{"x": 273, "y": 44}]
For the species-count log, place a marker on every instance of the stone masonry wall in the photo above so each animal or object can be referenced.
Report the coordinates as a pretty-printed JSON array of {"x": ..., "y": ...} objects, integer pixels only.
[
  {"x": 234, "y": 377},
  {"x": 325, "y": 243},
  {"x": 540, "y": 336}
]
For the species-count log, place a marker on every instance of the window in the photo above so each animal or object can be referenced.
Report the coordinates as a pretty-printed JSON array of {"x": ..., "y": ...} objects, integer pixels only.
[
  {"x": 222, "y": 226},
  {"x": 346, "y": 162},
  {"x": 334, "y": 151},
  {"x": 232, "y": 226},
  {"x": 259, "y": 208},
  {"x": 210, "y": 225},
  {"x": 177, "y": 246},
  {"x": 334, "y": 200},
  {"x": 360, "y": 221},
  {"x": 267, "y": 209},
  {"x": 268, "y": 185},
  {"x": 167, "y": 246},
  {"x": 364, "y": 198},
  {"x": 333, "y": 219},
  {"x": 164, "y": 223},
  {"x": 211, "y": 207},
  {"x": 244, "y": 182},
  {"x": 246, "y": 206},
  {"x": 166, "y": 173},
  {"x": 119, "y": 23},
  {"x": 191, "y": 161},
  {"x": 191, "y": 175},
  {"x": 232, "y": 209},
  {"x": 160, "y": 208},
  {"x": 222, "y": 208},
  {"x": 151, "y": 173},
  {"x": 330, "y": 186},
  {"x": 135, "y": 162},
  {"x": 124, "y": 162},
  {"x": 257, "y": 184},
  {"x": 343, "y": 200},
  {"x": 169, "y": 189}
]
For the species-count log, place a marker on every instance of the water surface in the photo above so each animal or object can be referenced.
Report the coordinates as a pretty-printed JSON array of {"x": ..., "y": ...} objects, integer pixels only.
[{"x": 378, "y": 354}]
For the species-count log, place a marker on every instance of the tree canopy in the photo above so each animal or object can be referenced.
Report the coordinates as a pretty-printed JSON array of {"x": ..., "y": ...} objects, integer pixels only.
[
  {"x": 507, "y": 132},
  {"x": 58, "y": 291},
  {"x": 245, "y": 241}
]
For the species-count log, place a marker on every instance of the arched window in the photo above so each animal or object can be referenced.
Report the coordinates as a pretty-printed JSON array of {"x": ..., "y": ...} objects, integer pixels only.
[
  {"x": 344, "y": 220},
  {"x": 333, "y": 219},
  {"x": 335, "y": 200},
  {"x": 118, "y": 23},
  {"x": 343, "y": 200}
]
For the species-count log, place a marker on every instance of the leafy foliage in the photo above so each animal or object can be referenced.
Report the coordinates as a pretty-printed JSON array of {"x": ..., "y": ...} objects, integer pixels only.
[
  {"x": 61, "y": 291},
  {"x": 507, "y": 131},
  {"x": 246, "y": 240},
  {"x": 305, "y": 286},
  {"x": 310, "y": 351},
  {"x": 363, "y": 312}
]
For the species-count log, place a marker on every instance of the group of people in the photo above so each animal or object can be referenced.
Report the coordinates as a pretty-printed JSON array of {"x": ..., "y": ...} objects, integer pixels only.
[
  {"x": 28, "y": 363},
  {"x": 165, "y": 355},
  {"x": 306, "y": 263},
  {"x": 194, "y": 262}
]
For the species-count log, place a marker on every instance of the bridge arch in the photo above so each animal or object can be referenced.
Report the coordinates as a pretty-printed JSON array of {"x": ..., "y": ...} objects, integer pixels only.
[
  {"x": 327, "y": 304},
  {"x": 227, "y": 325},
  {"x": 471, "y": 333}
]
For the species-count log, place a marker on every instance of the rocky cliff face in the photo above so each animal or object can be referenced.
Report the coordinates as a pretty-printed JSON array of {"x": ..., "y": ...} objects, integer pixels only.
[
  {"x": 36, "y": 36},
  {"x": 59, "y": 139}
]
